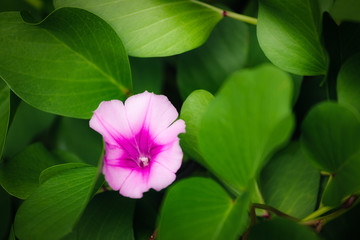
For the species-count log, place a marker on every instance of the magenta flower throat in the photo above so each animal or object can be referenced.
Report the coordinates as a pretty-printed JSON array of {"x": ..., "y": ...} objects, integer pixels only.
[{"x": 142, "y": 148}]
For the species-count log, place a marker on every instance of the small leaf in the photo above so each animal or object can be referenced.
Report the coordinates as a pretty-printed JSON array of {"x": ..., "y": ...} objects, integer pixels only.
[
  {"x": 191, "y": 112},
  {"x": 28, "y": 124},
  {"x": 49, "y": 64},
  {"x": 154, "y": 28},
  {"x": 289, "y": 34},
  {"x": 249, "y": 118},
  {"x": 330, "y": 135},
  {"x": 147, "y": 74},
  {"x": 208, "y": 66},
  {"x": 19, "y": 176},
  {"x": 4, "y": 113},
  {"x": 280, "y": 228},
  {"x": 199, "y": 208},
  {"x": 348, "y": 84},
  {"x": 113, "y": 212},
  {"x": 344, "y": 183},
  {"x": 290, "y": 183},
  {"x": 54, "y": 208}
]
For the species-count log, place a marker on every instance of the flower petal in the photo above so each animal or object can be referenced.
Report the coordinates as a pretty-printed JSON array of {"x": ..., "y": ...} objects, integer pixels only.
[
  {"x": 170, "y": 156},
  {"x": 152, "y": 112},
  {"x": 115, "y": 176},
  {"x": 160, "y": 177},
  {"x": 135, "y": 185},
  {"x": 170, "y": 134},
  {"x": 110, "y": 121}
]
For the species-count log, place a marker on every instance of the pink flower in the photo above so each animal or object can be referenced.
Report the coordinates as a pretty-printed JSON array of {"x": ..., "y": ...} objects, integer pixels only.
[{"x": 141, "y": 143}]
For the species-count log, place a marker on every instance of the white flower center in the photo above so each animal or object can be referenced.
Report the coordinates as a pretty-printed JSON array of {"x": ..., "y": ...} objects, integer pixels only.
[{"x": 144, "y": 161}]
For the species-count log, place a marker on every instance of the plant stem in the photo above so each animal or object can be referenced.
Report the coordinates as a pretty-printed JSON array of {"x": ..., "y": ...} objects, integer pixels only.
[
  {"x": 233, "y": 15},
  {"x": 316, "y": 214},
  {"x": 274, "y": 210},
  {"x": 240, "y": 17}
]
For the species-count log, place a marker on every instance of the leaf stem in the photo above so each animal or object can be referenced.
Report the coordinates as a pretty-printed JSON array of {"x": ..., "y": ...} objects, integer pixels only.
[
  {"x": 240, "y": 17},
  {"x": 274, "y": 210}
]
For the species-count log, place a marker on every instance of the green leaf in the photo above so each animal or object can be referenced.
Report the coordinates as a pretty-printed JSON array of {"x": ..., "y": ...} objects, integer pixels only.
[
  {"x": 290, "y": 183},
  {"x": 50, "y": 172},
  {"x": 75, "y": 136},
  {"x": 50, "y": 65},
  {"x": 289, "y": 34},
  {"x": 113, "y": 212},
  {"x": 5, "y": 216},
  {"x": 147, "y": 74},
  {"x": 330, "y": 135},
  {"x": 344, "y": 183},
  {"x": 19, "y": 176},
  {"x": 199, "y": 208},
  {"x": 191, "y": 112},
  {"x": 280, "y": 228},
  {"x": 208, "y": 66},
  {"x": 27, "y": 125},
  {"x": 348, "y": 84},
  {"x": 154, "y": 28},
  {"x": 4, "y": 113},
  {"x": 346, "y": 10},
  {"x": 54, "y": 208},
  {"x": 248, "y": 119}
]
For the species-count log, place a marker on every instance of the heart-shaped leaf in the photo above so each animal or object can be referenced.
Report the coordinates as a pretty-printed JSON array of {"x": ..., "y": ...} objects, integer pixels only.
[
  {"x": 289, "y": 34},
  {"x": 154, "y": 28},
  {"x": 199, "y": 208},
  {"x": 50, "y": 65},
  {"x": 248, "y": 119},
  {"x": 330, "y": 135}
]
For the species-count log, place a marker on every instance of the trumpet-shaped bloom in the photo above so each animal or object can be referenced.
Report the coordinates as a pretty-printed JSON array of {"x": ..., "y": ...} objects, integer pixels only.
[{"x": 141, "y": 143}]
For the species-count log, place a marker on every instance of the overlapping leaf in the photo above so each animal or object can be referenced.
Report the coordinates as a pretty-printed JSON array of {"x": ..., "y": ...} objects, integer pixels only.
[{"x": 4, "y": 113}]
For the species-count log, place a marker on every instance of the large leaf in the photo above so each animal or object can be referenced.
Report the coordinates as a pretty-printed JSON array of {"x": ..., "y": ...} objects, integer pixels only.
[
  {"x": 113, "y": 212},
  {"x": 4, "y": 113},
  {"x": 330, "y": 135},
  {"x": 19, "y": 176},
  {"x": 348, "y": 84},
  {"x": 191, "y": 112},
  {"x": 289, "y": 34},
  {"x": 199, "y": 208},
  {"x": 27, "y": 125},
  {"x": 66, "y": 64},
  {"x": 153, "y": 28},
  {"x": 248, "y": 119},
  {"x": 344, "y": 183},
  {"x": 280, "y": 228},
  {"x": 54, "y": 208},
  {"x": 208, "y": 66},
  {"x": 346, "y": 10},
  {"x": 290, "y": 183}
]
